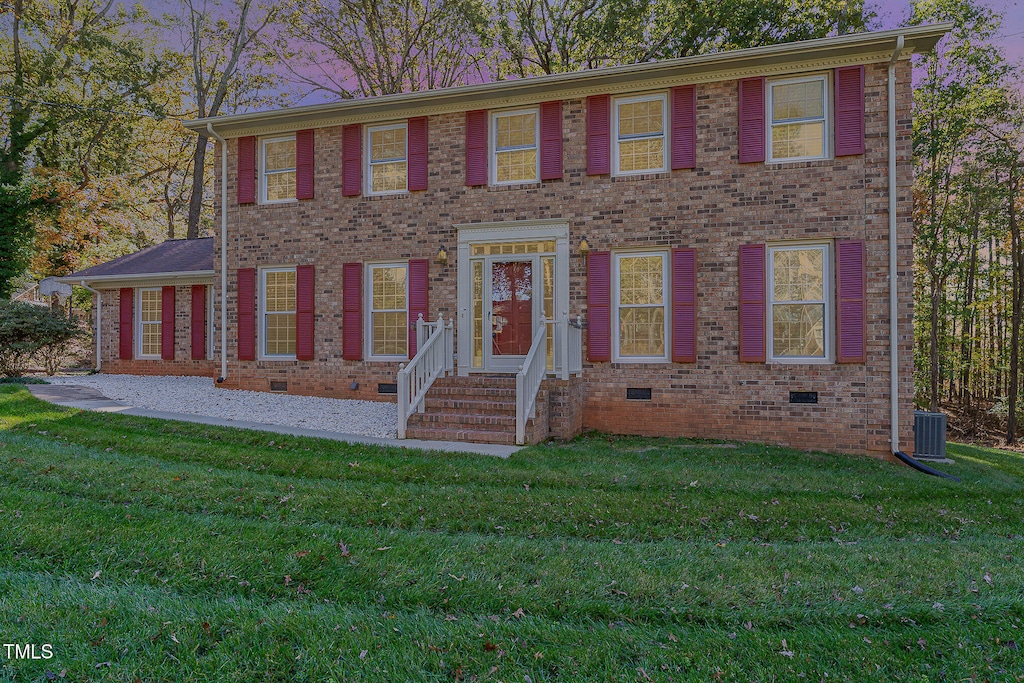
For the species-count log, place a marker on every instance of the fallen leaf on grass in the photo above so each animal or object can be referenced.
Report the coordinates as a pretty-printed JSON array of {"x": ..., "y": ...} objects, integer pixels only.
[
  {"x": 302, "y": 553},
  {"x": 344, "y": 548},
  {"x": 97, "y": 575},
  {"x": 490, "y": 647},
  {"x": 362, "y": 655},
  {"x": 673, "y": 638},
  {"x": 988, "y": 578},
  {"x": 175, "y": 639},
  {"x": 786, "y": 652},
  {"x": 519, "y": 614},
  {"x": 383, "y": 548},
  {"x": 643, "y": 674},
  {"x": 858, "y": 590}
]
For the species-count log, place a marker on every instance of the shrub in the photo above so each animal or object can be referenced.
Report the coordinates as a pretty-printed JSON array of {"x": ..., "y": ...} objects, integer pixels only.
[{"x": 30, "y": 332}]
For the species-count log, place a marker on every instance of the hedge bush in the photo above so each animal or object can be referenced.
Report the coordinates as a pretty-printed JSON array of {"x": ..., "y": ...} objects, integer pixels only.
[{"x": 30, "y": 334}]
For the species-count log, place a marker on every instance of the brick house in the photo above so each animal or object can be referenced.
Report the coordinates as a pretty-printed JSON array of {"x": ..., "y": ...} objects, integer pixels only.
[{"x": 696, "y": 247}]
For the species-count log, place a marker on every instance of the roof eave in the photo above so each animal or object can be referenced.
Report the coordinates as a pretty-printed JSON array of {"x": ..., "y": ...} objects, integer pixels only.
[
  {"x": 918, "y": 39},
  {"x": 76, "y": 279}
]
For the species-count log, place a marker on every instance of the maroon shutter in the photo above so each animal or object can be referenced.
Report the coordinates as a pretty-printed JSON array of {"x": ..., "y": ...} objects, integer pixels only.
[
  {"x": 419, "y": 270},
  {"x": 599, "y": 130},
  {"x": 125, "y": 327},
  {"x": 304, "y": 298},
  {"x": 476, "y": 148},
  {"x": 351, "y": 160},
  {"x": 167, "y": 323},
  {"x": 247, "y": 170},
  {"x": 684, "y": 306},
  {"x": 198, "y": 322},
  {"x": 246, "y": 314},
  {"x": 304, "y": 164},
  {"x": 851, "y": 322},
  {"x": 751, "y": 112},
  {"x": 417, "y": 168},
  {"x": 599, "y": 306},
  {"x": 684, "y": 127},
  {"x": 752, "y": 304},
  {"x": 551, "y": 140},
  {"x": 352, "y": 311},
  {"x": 849, "y": 95}
]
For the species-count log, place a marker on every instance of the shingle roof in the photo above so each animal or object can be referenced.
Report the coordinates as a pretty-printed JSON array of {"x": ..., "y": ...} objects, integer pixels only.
[{"x": 172, "y": 256}]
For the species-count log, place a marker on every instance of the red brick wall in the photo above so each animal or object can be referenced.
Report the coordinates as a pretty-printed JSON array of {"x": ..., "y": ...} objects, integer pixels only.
[
  {"x": 182, "y": 363},
  {"x": 713, "y": 208}
]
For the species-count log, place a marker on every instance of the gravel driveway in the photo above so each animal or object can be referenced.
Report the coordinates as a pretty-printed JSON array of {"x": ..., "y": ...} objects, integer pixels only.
[{"x": 199, "y": 396}]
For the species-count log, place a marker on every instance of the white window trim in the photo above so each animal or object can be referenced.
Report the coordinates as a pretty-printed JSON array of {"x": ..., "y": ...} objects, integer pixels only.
[
  {"x": 263, "y": 169},
  {"x": 139, "y": 324},
  {"x": 826, "y": 146},
  {"x": 492, "y": 146},
  {"x": 665, "y": 123},
  {"x": 262, "y": 345},
  {"x": 826, "y": 266},
  {"x": 369, "y": 163},
  {"x": 666, "y": 288},
  {"x": 368, "y": 319}
]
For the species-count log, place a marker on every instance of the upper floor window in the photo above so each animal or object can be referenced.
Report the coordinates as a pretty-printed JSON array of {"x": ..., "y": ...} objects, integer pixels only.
[
  {"x": 799, "y": 119},
  {"x": 150, "y": 322},
  {"x": 515, "y": 147},
  {"x": 388, "y": 160},
  {"x": 277, "y": 309},
  {"x": 639, "y": 296},
  {"x": 639, "y": 124},
  {"x": 799, "y": 314},
  {"x": 388, "y": 310},
  {"x": 277, "y": 169}
]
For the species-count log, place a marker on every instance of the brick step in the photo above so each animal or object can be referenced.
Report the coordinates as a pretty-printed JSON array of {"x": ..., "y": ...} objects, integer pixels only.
[
  {"x": 470, "y": 435},
  {"x": 464, "y": 420},
  {"x": 453, "y": 404},
  {"x": 485, "y": 381},
  {"x": 494, "y": 393}
]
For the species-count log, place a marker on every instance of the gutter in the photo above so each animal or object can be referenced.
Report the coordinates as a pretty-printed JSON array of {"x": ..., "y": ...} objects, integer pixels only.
[
  {"x": 99, "y": 320},
  {"x": 131, "y": 277},
  {"x": 223, "y": 251}
]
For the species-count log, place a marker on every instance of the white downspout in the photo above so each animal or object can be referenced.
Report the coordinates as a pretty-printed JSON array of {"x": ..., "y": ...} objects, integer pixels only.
[
  {"x": 99, "y": 321},
  {"x": 223, "y": 252},
  {"x": 894, "y": 367}
]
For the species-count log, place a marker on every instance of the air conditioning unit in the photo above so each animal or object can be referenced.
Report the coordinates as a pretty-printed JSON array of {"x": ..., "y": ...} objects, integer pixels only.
[{"x": 929, "y": 435}]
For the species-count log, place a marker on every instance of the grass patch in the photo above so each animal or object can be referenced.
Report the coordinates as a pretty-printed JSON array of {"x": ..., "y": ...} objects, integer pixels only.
[{"x": 172, "y": 551}]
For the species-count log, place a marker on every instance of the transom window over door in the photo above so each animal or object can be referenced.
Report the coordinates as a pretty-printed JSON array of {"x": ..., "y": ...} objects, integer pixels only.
[
  {"x": 640, "y": 299},
  {"x": 389, "y": 312},
  {"x": 515, "y": 147},
  {"x": 799, "y": 318},
  {"x": 150, "y": 322},
  {"x": 278, "y": 165},
  {"x": 799, "y": 113},
  {"x": 389, "y": 167},
  {"x": 640, "y": 135},
  {"x": 278, "y": 312}
]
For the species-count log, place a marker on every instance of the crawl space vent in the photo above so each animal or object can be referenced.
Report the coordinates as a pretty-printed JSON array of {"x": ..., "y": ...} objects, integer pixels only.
[
  {"x": 387, "y": 388},
  {"x": 278, "y": 386},
  {"x": 637, "y": 394}
]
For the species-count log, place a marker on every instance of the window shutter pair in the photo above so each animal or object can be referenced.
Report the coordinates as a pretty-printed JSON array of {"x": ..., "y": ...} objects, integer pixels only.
[
  {"x": 352, "y": 157},
  {"x": 304, "y": 313},
  {"x": 125, "y": 324},
  {"x": 848, "y": 94},
  {"x": 851, "y": 322},
  {"x": 550, "y": 144},
  {"x": 683, "y": 112},
  {"x": 167, "y": 323},
  {"x": 304, "y": 167},
  {"x": 352, "y": 306},
  {"x": 683, "y": 310}
]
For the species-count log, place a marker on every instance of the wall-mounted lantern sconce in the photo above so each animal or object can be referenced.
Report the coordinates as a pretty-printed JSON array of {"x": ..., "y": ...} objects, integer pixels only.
[
  {"x": 584, "y": 247},
  {"x": 442, "y": 256}
]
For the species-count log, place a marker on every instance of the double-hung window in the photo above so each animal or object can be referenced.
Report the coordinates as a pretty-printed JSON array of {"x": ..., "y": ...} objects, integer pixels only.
[
  {"x": 277, "y": 169},
  {"x": 150, "y": 316},
  {"x": 387, "y": 151},
  {"x": 640, "y": 294},
  {"x": 799, "y": 309},
  {"x": 278, "y": 312},
  {"x": 639, "y": 124},
  {"x": 388, "y": 310},
  {"x": 799, "y": 119},
  {"x": 515, "y": 147}
]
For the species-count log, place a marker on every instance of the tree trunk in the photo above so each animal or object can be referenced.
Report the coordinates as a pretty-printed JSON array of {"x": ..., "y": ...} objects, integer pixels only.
[
  {"x": 967, "y": 334},
  {"x": 195, "y": 202},
  {"x": 1011, "y": 420}
]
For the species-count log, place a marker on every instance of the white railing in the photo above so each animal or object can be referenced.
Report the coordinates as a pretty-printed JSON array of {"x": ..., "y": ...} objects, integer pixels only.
[
  {"x": 576, "y": 346},
  {"x": 435, "y": 352},
  {"x": 528, "y": 379}
]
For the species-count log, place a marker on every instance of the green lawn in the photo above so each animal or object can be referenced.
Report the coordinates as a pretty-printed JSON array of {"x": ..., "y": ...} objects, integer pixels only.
[{"x": 150, "y": 550}]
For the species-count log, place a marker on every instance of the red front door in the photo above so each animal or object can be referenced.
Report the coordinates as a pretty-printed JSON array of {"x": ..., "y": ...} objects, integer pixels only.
[{"x": 511, "y": 307}]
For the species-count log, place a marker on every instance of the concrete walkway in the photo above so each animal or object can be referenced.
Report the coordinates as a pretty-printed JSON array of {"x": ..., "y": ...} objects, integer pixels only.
[{"x": 86, "y": 398}]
